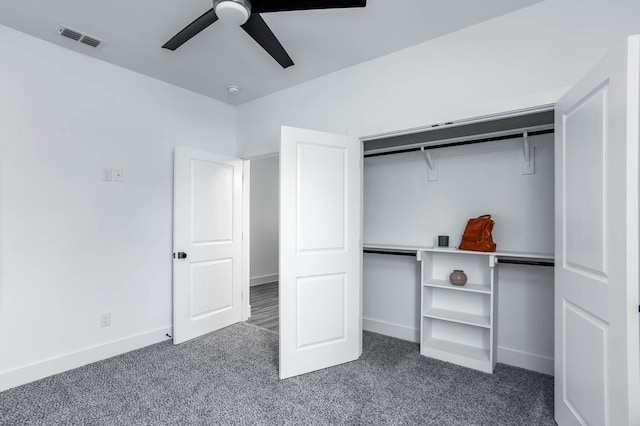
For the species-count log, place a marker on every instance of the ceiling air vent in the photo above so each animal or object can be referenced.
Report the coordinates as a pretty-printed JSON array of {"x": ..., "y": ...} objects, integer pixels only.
[
  {"x": 81, "y": 37},
  {"x": 73, "y": 35},
  {"x": 90, "y": 41}
]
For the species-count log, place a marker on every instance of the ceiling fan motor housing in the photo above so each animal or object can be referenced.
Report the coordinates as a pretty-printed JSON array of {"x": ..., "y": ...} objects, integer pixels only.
[{"x": 235, "y": 12}]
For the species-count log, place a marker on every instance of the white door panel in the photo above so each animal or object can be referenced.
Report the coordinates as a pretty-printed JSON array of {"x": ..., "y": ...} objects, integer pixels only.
[
  {"x": 596, "y": 276},
  {"x": 321, "y": 197},
  {"x": 320, "y": 251},
  {"x": 208, "y": 228},
  {"x": 212, "y": 202}
]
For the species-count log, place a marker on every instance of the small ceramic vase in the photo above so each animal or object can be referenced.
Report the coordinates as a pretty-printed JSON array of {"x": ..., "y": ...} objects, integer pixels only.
[{"x": 458, "y": 277}]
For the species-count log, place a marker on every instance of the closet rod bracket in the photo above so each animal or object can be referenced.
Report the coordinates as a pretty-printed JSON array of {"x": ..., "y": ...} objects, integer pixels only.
[
  {"x": 528, "y": 166},
  {"x": 432, "y": 164}
]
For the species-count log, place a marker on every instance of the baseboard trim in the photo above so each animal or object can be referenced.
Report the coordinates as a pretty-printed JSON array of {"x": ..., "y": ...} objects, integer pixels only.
[
  {"x": 390, "y": 329},
  {"x": 48, "y": 367},
  {"x": 264, "y": 279},
  {"x": 529, "y": 361}
]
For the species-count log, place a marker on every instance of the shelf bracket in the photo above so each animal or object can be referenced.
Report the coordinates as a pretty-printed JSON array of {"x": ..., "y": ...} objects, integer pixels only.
[
  {"x": 432, "y": 164},
  {"x": 528, "y": 164}
]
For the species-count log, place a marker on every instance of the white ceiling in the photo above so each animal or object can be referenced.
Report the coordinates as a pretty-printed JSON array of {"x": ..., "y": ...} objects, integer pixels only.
[{"x": 318, "y": 41}]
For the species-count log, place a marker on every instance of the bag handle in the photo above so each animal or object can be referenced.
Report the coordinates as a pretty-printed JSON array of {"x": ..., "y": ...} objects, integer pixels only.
[{"x": 488, "y": 216}]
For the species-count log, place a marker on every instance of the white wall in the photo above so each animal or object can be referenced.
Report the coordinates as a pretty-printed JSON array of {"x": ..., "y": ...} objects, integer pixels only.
[
  {"x": 526, "y": 58},
  {"x": 265, "y": 200},
  {"x": 73, "y": 246},
  {"x": 525, "y": 323},
  {"x": 391, "y": 295}
]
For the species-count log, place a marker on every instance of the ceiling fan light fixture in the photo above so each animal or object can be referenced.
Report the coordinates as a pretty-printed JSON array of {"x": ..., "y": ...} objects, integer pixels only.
[{"x": 235, "y": 12}]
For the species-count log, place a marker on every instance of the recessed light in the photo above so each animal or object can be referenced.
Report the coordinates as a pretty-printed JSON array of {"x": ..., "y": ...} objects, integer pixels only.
[{"x": 234, "y": 90}]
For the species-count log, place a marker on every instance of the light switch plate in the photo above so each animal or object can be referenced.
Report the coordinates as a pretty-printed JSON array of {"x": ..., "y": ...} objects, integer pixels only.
[
  {"x": 117, "y": 175},
  {"x": 106, "y": 173}
]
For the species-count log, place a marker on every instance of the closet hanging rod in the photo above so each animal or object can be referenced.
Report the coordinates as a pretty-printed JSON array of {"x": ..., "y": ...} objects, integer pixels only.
[
  {"x": 394, "y": 253},
  {"x": 458, "y": 143},
  {"x": 526, "y": 262}
]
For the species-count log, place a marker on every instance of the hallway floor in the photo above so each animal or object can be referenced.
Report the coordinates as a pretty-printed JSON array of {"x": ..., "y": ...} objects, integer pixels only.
[{"x": 264, "y": 306}]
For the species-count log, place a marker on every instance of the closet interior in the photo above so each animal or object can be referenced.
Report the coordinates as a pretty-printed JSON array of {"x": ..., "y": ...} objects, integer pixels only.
[{"x": 428, "y": 182}]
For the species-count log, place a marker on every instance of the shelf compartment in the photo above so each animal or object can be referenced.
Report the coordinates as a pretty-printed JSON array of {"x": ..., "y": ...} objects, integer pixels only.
[
  {"x": 461, "y": 344},
  {"x": 459, "y": 349},
  {"x": 471, "y": 287},
  {"x": 465, "y": 307},
  {"x": 438, "y": 266},
  {"x": 459, "y": 317}
]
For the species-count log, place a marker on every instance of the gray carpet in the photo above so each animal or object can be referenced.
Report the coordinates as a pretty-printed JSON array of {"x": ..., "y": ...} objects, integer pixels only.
[{"x": 231, "y": 377}]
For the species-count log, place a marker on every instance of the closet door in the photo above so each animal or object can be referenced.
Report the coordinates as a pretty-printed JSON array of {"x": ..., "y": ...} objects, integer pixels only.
[
  {"x": 596, "y": 275},
  {"x": 320, "y": 250}
]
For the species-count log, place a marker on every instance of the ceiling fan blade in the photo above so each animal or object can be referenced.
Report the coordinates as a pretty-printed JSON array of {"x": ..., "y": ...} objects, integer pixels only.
[
  {"x": 261, "y": 33},
  {"x": 265, "y": 6},
  {"x": 207, "y": 18}
]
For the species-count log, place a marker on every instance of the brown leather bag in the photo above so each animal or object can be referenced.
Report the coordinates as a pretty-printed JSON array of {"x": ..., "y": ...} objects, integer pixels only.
[{"x": 477, "y": 235}]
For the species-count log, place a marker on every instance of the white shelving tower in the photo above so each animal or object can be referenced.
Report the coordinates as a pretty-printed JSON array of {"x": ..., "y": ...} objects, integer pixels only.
[{"x": 458, "y": 323}]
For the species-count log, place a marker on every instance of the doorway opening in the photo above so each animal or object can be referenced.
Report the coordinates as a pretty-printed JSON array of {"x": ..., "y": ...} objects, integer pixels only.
[{"x": 264, "y": 242}]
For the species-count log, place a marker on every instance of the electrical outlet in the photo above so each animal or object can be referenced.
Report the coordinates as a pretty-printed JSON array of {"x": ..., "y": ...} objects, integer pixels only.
[
  {"x": 117, "y": 175},
  {"x": 105, "y": 319},
  {"x": 106, "y": 173}
]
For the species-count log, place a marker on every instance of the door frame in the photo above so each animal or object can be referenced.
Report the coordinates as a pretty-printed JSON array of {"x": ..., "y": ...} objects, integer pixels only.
[{"x": 246, "y": 239}]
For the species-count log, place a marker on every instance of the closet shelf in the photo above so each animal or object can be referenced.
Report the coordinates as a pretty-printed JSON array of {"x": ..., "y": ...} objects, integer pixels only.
[
  {"x": 505, "y": 253},
  {"x": 471, "y": 287},
  {"x": 459, "y": 317}
]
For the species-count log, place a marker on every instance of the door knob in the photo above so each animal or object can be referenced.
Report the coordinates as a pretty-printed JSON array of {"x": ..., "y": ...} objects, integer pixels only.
[{"x": 181, "y": 255}]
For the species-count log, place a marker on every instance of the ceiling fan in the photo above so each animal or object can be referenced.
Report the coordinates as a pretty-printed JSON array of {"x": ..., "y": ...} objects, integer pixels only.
[{"x": 246, "y": 13}]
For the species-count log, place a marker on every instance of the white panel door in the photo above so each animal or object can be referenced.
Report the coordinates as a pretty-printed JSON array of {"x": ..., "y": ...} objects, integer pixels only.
[
  {"x": 207, "y": 229},
  {"x": 320, "y": 250},
  {"x": 596, "y": 274}
]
